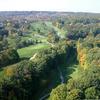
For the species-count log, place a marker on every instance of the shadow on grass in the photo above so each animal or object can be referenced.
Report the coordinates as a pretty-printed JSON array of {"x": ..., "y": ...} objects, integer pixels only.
[{"x": 70, "y": 65}]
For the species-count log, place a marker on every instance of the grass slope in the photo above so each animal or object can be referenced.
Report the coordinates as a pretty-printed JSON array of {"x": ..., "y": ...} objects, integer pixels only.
[{"x": 28, "y": 52}]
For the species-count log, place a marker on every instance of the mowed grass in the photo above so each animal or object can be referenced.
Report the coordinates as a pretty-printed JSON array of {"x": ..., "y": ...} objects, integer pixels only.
[{"x": 28, "y": 52}]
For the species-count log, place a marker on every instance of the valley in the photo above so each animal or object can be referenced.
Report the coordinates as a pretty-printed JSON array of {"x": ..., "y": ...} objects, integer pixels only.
[{"x": 55, "y": 56}]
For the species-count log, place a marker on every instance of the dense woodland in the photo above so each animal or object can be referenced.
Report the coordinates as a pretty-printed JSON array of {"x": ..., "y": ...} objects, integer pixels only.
[{"x": 49, "y": 56}]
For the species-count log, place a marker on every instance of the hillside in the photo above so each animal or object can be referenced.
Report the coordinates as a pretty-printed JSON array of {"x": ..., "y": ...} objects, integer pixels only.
[{"x": 49, "y": 56}]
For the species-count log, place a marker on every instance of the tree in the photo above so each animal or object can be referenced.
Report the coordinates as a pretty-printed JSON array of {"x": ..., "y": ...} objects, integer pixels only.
[
  {"x": 75, "y": 94},
  {"x": 9, "y": 56},
  {"x": 92, "y": 93},
  {"x": 59, "y": 93}
]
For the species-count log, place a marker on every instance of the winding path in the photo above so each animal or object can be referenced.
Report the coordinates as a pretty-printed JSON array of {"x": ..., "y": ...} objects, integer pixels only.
[{"x": 61, "y": 81}]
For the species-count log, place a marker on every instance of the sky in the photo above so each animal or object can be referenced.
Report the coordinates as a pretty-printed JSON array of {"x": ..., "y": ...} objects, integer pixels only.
[{"x": 51, "y": 5}]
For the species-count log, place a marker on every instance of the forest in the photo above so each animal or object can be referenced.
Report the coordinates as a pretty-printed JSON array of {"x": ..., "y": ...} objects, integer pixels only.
[{"x": 49, "y": 56}]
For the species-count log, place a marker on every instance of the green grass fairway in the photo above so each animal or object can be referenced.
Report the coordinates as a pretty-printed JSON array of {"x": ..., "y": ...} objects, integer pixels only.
[
  {"x": 44, "y": 29},
  {"x": 28, "y": 52}
]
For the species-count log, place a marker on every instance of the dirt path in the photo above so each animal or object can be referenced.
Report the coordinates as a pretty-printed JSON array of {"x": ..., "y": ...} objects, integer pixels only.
[{"x": 61, "y": 75}]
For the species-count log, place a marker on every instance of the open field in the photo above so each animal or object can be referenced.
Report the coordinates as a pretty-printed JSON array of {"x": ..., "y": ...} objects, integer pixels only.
[{"x": 28, "y": 52}]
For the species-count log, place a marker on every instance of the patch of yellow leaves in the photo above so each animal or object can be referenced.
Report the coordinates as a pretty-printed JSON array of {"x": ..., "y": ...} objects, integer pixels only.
[
  {"x": 82, "y": 56},
  {"x": 9, "y": 71},
  {"x": 96, "y": 62},
  {"x": 82, "y": 59}
]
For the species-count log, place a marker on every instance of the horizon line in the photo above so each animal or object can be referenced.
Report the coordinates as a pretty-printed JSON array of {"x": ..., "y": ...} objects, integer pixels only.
[{"x": 49, "y": 11}]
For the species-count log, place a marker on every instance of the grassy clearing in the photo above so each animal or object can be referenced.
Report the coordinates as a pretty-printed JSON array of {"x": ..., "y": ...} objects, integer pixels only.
[
  {"x": 40, "y": 26},
  {"x": 60, "y": 32},
  {"x": 68, "y": 71},
  {"x": 28, "y": 52},
  {"x": 75, "y": 73}
]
